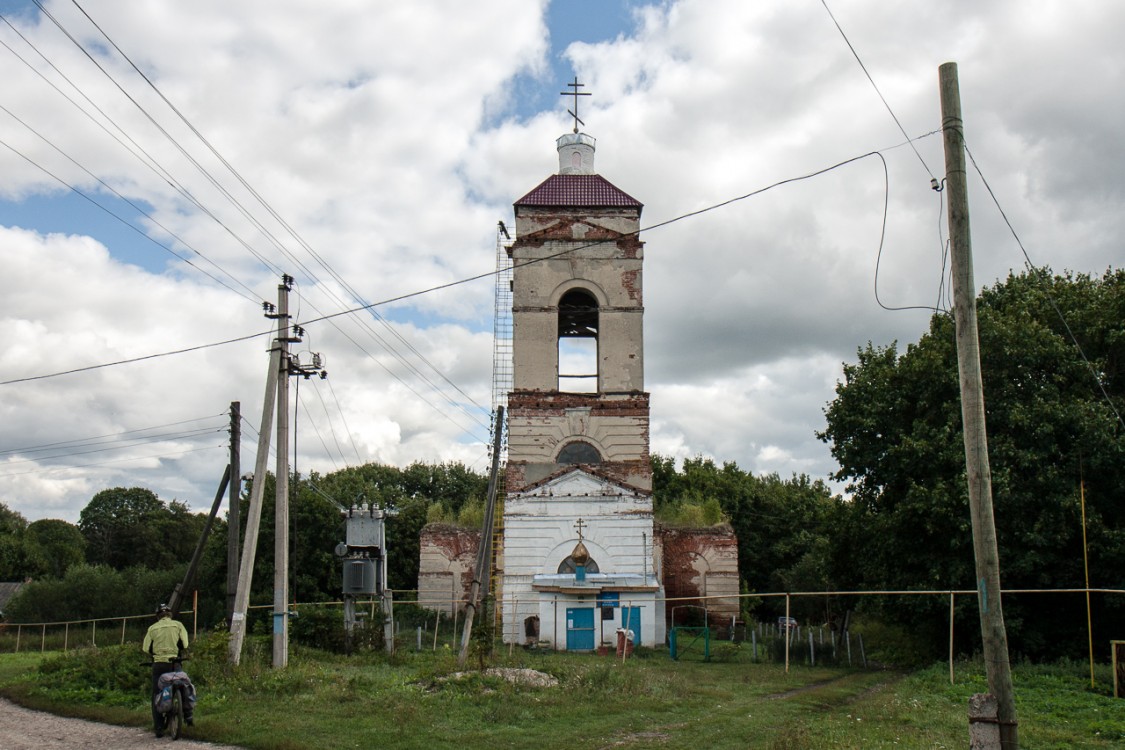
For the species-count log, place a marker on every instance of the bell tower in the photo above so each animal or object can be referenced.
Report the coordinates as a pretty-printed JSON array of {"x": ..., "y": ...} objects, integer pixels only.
[
  {"x": 578, "y": 337},
  {"x": 578, "y": 416}
]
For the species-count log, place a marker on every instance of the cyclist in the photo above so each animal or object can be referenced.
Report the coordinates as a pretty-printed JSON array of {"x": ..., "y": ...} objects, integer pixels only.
[{"x": 165, "y": 642}]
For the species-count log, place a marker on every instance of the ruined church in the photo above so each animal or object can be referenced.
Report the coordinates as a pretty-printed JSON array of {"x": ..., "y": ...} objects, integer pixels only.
[{"x": 579, "y": 556}]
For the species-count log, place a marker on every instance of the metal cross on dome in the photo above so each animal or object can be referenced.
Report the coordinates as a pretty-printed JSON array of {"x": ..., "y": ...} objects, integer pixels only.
[
  {"x": 580, "y": 525},
  {"x": 575, "y": 93}
]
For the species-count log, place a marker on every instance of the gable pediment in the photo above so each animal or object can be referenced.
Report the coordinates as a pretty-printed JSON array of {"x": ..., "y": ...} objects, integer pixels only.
[{"x": 578, "y": 482}]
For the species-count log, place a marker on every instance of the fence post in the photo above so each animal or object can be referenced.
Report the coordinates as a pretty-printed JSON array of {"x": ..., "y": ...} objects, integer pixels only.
[
  {"x": 123, "y": 621},
  {"x": 19, "y": 631},
  {"x": 812, "y": 650},
  {"x": 94, "y": 633},
  {"x": 43, "y": 639},
  {"x": 862, "y": 653},
  {"x": 849, "y": 642},
  {"x": 786, "y": 633},
  {"x": 950, "y": 637},
  {"x": 754, "y": 641},
  {"x": 66, "y": 636}
]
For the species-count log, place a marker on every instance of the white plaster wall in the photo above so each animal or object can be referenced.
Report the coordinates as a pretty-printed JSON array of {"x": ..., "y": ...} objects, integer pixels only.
[
  {"x": 552, "y": 619},
  {"x": 539, "y": 533}
]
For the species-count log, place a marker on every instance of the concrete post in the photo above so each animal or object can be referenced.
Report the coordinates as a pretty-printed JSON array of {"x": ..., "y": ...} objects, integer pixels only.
[{"x": 984, "y": 724}]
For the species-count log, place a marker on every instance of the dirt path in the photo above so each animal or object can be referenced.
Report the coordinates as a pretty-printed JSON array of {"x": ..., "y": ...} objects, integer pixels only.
[{"x": 24, "y": 729}]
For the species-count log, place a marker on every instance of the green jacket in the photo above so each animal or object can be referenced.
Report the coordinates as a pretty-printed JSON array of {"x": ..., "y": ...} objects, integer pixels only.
[{"x": 165, "y": 639}]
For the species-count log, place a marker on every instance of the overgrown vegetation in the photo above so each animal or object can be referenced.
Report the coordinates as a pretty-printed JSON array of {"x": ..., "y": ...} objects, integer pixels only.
[
  {"x": 413, "y": 700},
  {"x": 130, "y": 547},
  {"x": 1055, "y": 436}
]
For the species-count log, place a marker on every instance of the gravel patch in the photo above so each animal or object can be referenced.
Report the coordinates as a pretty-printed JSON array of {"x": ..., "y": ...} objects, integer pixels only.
[{"x": 24, "y": 729}]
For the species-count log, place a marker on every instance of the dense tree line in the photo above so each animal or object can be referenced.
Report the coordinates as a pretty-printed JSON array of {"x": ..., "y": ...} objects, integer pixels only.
[
  {"x": 782, "y": 525},
  {"x": 1053, "y": 409},
  {"x": 130, "y": 548}
]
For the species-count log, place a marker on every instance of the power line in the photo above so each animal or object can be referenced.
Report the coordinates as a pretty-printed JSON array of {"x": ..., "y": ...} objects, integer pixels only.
[
  {"x": 1042, "y": 273},
  {"x": 119, "y": 218},
  {"x": 44, "y": 446},
  {"x": 135, "y": 150},
  {"x": 114, "y": 461},
  {"x": 276, "y": 216},
  {"x": 388, "y": 346},
  {"x": 477, "y": 277},
  {"x": 137, "y": 359},
  {"x": 132, "y": 443},
  {"x": 877, "y": 91}
]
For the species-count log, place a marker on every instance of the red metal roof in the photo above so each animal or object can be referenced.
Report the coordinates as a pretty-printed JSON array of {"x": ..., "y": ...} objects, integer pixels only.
[{"x": 584, "y": 190}]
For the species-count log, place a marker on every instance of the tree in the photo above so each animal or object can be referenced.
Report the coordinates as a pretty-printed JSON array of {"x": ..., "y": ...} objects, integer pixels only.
[
  {"x": 131, "y": 526},
  {"x": 54, "y": 546},
  {"x": 895, "y": 429},
  {"x": 117, "y": 523},
  {"x": 12, "y": 557},
  {"x": 781, "y": 525}
]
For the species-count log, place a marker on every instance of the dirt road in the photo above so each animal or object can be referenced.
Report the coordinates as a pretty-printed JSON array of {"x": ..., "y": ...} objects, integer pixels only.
[{"x": 24, "y": 729}]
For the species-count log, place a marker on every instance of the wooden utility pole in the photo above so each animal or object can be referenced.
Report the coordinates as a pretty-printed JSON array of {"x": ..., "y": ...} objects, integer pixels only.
[
  {"x": 181, "y": 589},
  {"x": 234, "y": 525},
  {"x": 281, "y": 487},
  {"x": 972, "y": 412},
  {"x": 254, "y": 512},
  {"x": 482, "y": 571}
]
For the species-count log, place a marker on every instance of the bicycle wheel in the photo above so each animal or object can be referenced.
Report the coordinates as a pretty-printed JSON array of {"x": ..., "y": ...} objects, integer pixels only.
[{"x": 175, "y": 723}]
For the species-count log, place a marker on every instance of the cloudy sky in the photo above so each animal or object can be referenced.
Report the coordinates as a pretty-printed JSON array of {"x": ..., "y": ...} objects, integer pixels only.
[{"x": 162, "y": 163}]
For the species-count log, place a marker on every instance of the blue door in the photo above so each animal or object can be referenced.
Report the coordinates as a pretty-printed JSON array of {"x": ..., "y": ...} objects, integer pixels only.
[
  {"x": 580, "y": 629},
  {"x": 631, "y": 620}
]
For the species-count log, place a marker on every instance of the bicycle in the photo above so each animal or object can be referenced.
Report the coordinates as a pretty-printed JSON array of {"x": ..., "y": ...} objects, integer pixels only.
[{"x": 174, "y": 720}]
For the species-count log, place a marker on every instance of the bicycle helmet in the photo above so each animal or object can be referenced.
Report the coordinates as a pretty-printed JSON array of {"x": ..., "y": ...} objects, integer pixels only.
[{"x": 162, "y": 608}]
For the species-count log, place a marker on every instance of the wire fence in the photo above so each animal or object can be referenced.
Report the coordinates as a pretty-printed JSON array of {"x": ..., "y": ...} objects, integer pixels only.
[{"x": 423, "y": 623}]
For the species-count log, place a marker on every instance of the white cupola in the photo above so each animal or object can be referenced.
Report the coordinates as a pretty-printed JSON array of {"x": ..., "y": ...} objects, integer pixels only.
[{"x": 576, "y": 153}]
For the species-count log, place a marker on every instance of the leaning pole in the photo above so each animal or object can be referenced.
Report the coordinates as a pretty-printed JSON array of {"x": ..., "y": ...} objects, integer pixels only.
[{"x": 977, "y": 470}]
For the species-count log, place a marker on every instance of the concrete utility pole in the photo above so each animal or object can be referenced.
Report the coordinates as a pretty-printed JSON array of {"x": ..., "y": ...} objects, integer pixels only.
[
  {"x": 254, "y": 513},
  {"x": 234, "y": 524},
  {"x": 281, "y": 486},
  {"x": 972, "y": 413},
  {"x": 481, "y": 572}
]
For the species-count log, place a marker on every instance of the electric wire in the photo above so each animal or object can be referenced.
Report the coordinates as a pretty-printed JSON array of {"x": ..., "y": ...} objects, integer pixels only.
[
  {"x": 312, "y": 423},
  {"x": 121, "y": 219},
  {"x": 344, "y": 419},
  {"x": 273, "y": 213},
  {"x": 331, "y": 426},
  {"x": 135, "y": 150},
  {"x": 132, "y": 360},
  {"x": 477, "y": 277},
  {"x": 176, "y": 144},
  {"x": 1045, "y": 277},
  {"x": 876, "y": 87},
  {"x": 386, "y": 345},
  {"x": 47, "y": 470},
  {"x": 79, "y": 441},
  {"x": 128, "y": 443}
]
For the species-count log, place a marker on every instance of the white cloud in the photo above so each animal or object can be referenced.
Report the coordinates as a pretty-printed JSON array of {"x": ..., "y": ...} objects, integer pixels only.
[{"x": 380, "y": 135}]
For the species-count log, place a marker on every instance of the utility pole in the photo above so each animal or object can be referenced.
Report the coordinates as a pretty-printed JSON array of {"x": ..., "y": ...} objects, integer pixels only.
[
  {"x": 972, "y": 413},
  {"x": 254, "y": 513},
  {"x": 281, "y": 485},
  {"x": 234, "y": 523},
  {"x": 481, "y": 572}
]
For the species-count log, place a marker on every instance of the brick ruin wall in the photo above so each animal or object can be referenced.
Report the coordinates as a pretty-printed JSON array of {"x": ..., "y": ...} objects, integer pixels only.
[
  {"x": 699, "y": 566},
  {"x": 445, "y": 566}
]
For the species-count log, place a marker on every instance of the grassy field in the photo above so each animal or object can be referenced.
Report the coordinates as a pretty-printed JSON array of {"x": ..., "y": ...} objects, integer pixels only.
[{"x": 414, "y": 700}]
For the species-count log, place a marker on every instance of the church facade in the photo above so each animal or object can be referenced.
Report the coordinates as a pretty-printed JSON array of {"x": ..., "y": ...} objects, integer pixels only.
[{"x": 578, "y": 556}]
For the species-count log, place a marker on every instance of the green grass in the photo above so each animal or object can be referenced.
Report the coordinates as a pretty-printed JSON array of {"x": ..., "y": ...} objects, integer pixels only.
[{"x": 411, "y": 700}]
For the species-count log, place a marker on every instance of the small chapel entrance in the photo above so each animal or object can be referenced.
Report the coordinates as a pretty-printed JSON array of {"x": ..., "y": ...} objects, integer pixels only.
[{"x": 579, "y": 629}]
